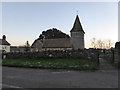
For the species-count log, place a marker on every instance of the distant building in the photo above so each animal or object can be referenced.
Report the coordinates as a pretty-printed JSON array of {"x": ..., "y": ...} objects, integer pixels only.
[
  {"x": 14, "y": 49},
  {"x": 4, "y": 44},
  {"x": 76, "y": 41},
  {"x": 19, "y": 49}
]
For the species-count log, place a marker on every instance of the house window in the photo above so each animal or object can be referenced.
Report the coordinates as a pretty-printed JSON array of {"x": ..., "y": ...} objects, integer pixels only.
[{"x": 5, "y": 47}]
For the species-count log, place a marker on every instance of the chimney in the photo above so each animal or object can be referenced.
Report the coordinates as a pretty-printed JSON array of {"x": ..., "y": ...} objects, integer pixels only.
[{"x": 4, "y": 37}]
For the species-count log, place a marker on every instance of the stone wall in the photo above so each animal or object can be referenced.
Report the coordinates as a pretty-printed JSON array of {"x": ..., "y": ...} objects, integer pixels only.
[
  {"x": 80, "y": 54},
  {"x": 77, "y": 40},
  {"x": 117, "y": 52}
]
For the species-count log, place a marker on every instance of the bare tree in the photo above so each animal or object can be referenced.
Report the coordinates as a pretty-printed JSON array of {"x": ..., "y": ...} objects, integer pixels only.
[
  {"x": 93, "y": 42},
  {"x": 102, "y": 44},
  {"x": 108, "y": 44}
]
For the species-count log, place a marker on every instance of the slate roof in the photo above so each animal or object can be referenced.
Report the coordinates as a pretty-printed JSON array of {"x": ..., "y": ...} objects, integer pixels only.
[
  {"x": 36, "y": 44},
  {"x": 77, "y": 26},
  {"x": 57, "y": 43},
  {"x": 4, "y": 42}
]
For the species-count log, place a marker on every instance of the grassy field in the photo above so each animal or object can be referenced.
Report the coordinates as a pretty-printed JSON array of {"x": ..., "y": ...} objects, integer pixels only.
[{"x": 75, "y": 64}]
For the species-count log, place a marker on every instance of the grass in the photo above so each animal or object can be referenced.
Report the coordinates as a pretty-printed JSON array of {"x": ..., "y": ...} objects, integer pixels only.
[
  {"x": 104, "y": 55},
  {"x": 76, "y": 64}
]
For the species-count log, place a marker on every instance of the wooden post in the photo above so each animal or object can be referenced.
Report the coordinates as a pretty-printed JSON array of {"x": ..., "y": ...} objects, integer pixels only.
[
  {"x": 98, "y": 57},
  {"x": 112, "y": 56}
]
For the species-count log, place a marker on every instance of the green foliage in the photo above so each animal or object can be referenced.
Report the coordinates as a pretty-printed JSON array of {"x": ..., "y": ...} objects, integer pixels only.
[
  {"x": 53, "y": 33},
  {"x": 27, "y": 47},
  {"x": 27, "y": 44},
  {"x": 75, "y": 64}
]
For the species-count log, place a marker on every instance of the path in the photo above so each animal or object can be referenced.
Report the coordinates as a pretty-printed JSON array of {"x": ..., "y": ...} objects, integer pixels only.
[
  {"x": 45, "y": 78},
  {"x": 105, "y": 65}
]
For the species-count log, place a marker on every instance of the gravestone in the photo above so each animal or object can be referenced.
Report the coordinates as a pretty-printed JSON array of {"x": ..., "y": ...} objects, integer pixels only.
[{"x": 117, "y": 52}]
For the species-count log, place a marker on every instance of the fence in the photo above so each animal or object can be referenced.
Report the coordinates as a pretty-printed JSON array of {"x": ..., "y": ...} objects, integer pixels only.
[{"x": 109, "y": 56}]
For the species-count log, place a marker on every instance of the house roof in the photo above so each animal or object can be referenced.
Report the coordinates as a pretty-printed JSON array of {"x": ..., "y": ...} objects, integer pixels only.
[
  {"x": 77, "y": 25},
  {"x": 57, "y": 43},
  {"x": 34, "y": 44},
  {"x": 37, "y": 43},
  {"x": 4, "y": 42}
]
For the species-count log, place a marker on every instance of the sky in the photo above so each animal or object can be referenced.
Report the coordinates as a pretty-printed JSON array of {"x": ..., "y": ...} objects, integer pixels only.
[{"x": 25, "y": 21}]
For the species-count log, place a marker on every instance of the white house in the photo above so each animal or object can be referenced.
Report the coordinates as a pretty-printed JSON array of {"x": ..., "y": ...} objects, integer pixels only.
[{"x": 4, "y": 45}]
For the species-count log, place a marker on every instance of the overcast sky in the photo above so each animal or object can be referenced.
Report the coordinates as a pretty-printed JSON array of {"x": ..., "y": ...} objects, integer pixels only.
[{"x": 22, "y": 21}]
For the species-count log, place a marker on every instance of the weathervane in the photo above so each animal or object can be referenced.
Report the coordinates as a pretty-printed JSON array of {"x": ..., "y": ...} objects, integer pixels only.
[{"x": 77, "y": 12}]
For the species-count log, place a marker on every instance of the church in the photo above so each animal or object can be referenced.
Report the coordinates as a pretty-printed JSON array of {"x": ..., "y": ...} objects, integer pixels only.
[{"x": 76, "y": 40}]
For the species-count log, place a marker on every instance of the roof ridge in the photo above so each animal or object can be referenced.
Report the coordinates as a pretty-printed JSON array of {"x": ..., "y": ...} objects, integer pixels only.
[{"x": 4, "y": 42}]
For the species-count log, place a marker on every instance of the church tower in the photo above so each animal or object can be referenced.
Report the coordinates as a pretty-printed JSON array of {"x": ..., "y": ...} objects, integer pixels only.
[{"x": 77, "y": 35}]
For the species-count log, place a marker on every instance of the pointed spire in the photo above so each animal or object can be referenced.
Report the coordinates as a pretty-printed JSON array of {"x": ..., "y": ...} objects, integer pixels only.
[{"x": 77, "y": 25}]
